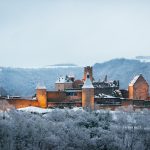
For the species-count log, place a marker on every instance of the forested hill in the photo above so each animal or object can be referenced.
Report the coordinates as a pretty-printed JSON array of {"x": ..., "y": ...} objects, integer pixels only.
[
  {"x": 123, "y": 70},
  {"x": 19, "y": 81}
]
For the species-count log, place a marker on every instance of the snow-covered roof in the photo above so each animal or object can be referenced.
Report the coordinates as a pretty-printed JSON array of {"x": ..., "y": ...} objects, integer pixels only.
[
  {"x": 63, "y": 79},
  {"x": 104, "y": 96},
  {"x": 41, "y": 86},
  {"x": 71, "y": 76},
  {"x": 87, "y": 84},
  {"x": 134, "y": 80}
]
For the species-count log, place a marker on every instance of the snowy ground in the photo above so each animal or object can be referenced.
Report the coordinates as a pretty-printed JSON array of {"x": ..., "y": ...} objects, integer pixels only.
[
  {"x": 35, "y": 109},
  {"x": 42, "y": 110}
]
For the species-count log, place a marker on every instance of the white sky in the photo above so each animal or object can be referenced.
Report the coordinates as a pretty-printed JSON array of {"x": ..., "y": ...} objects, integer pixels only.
[{"x": 44, "y": 32}]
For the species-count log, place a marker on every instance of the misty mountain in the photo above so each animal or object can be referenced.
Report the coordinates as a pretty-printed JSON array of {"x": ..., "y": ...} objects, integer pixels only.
[
  {"x": 20, "y": 81},
  {"x": 123, "y": 70}
]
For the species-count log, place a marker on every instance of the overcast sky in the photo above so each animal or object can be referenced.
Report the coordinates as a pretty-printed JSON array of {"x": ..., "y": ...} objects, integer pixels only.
[{"x": 44, "y": 32}]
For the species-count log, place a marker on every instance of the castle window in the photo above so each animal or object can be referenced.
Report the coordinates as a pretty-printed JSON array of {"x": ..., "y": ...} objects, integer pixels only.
[{"x": 71, "y": 94}]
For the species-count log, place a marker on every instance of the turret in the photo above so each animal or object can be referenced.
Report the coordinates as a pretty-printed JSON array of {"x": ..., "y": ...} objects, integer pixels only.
[
  {"x": 88, "y": 94},
  {"x": 105, "y": 79},
  {"x": 41, "y": 96}
]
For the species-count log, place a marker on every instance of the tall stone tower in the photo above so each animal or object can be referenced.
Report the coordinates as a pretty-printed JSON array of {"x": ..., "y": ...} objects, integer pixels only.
[
  {"x": 41, "y": 96},
  {"x": 88, "y": 70},
  {"x": 88, "y": 94}
]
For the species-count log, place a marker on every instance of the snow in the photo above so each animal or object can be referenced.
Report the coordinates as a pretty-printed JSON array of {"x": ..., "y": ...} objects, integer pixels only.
[
  {"x": 75, "y": 130},
  {"x": 43, "y": 111},
  {"x": 63, "y": 79},
  {"x": 134, "y": 80},
  {"x": 88, "y": 83},
  {"x": 77, "y": 108},
  {"x": 104, "y": 96},
  {"x": 41, "y": 87},
  {"x": 144, "y": 59},
  {"x": 35, "y": 109}
]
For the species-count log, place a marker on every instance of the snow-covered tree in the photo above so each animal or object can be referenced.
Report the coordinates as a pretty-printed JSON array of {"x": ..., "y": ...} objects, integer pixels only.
[{"x": 75, "y": 130}]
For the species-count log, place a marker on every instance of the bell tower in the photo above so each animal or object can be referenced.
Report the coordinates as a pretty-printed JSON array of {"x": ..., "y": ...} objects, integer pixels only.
[{"x": 88, "y": 70}]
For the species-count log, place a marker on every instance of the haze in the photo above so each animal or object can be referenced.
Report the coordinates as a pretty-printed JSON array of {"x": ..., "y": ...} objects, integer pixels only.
[{"x": 36, "y": 33}]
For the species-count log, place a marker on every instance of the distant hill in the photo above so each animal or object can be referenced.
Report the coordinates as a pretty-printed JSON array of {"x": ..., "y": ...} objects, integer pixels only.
[
  {"x": 61, "y": 66},
  {"x": 19, "y": 81},
  {"x": 122, "y": 69}
]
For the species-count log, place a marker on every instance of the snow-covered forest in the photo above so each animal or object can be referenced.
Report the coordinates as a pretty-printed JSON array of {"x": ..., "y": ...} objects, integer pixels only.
[{"x": 75, "y": 130}]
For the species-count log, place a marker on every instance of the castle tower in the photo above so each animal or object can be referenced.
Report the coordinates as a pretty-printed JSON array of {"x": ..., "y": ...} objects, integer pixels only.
[
  {"x": 138, "y": 88},
  {"x": 88, "y": 94},
  {"x": 41, "y": 95},
  {"x": 88, "y": 70}
]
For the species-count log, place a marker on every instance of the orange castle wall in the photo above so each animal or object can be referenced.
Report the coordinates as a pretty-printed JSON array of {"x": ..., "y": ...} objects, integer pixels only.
[{"x": 21, "y": 103}]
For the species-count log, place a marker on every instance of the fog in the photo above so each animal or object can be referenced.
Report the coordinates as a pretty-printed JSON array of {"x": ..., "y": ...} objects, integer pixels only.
[{"x": 38, "y": 33}]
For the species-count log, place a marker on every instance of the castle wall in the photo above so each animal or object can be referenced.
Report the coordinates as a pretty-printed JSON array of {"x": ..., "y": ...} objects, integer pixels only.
[
  {"x": 56, "y": 96},
  {"x": 107, "y": 107},
  {"x": 115, "y": 103},
  {"x": 75, "y": 98},
  {"x": 148, "y": 98},
  {"x": 64, "y": 104},
  {"x": 60, "y": 96},
  {"x": 126, "y": 102},
  {"x": 21, "y": 103}
]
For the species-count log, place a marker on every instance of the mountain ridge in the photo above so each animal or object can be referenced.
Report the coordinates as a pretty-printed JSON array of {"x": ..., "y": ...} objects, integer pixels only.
[{"x": 23, "y": 81}]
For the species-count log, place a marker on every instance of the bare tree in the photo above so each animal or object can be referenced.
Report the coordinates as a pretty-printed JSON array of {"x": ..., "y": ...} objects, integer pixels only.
[{"x": 4, "y": 107}]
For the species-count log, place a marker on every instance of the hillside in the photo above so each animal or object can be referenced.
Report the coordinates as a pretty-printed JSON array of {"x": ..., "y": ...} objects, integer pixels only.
[
  {"x": 122, "y": 69},
  {"x": 19, "y": 81}
]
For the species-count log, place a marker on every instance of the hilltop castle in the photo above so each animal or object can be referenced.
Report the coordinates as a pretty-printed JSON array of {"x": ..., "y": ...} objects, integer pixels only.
[{"x": 88, "y": 93}]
